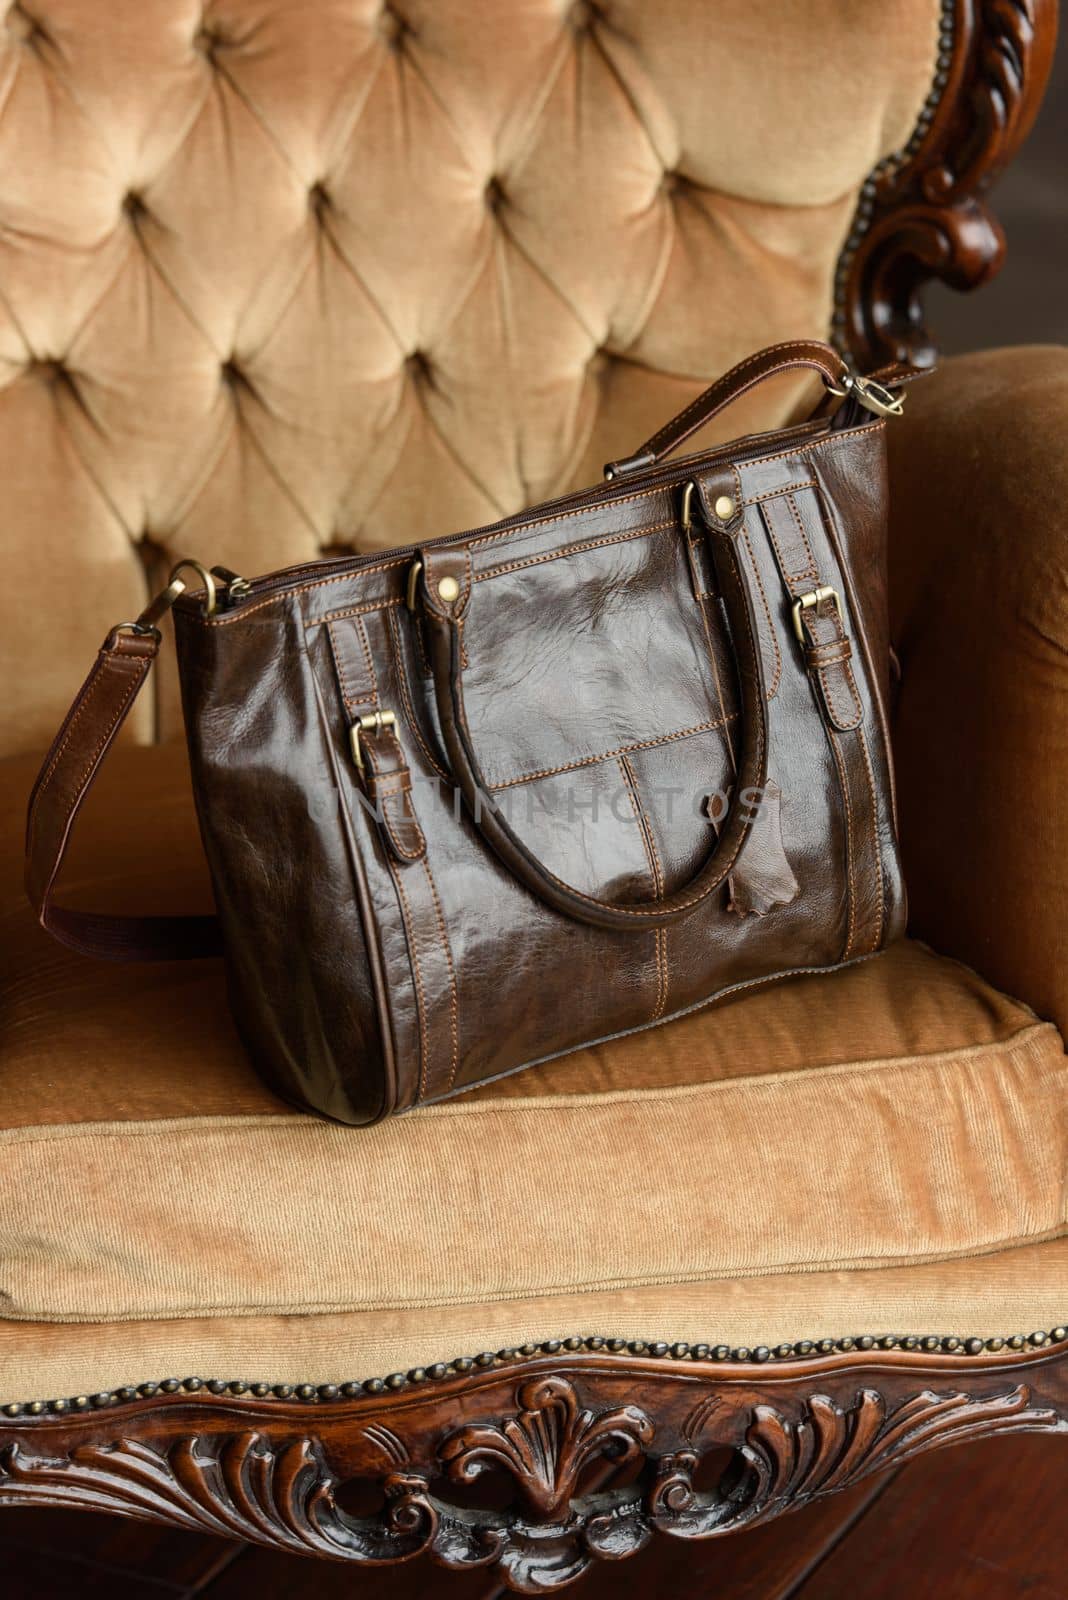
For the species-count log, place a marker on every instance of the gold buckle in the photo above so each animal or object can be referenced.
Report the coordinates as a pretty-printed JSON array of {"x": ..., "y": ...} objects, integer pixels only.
[
  {"x": 805, "y": 602},
  {"x": 374, "y": 722}
]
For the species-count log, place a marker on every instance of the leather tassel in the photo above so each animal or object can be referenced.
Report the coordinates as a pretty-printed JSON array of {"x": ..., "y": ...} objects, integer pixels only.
[{"x": 763, "y": 877}]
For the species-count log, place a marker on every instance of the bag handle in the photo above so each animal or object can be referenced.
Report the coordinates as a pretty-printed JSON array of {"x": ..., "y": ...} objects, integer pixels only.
[
  {"x": 445, "y": 591},
  {"x": 100, "y": 708},
  {"x": 791, "y": 355}
]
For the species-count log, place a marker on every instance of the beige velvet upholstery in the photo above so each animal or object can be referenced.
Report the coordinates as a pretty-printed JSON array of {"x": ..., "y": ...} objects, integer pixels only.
[
  {"x": 979, "y": 1296},
  {"x": 282, "y": 275}
]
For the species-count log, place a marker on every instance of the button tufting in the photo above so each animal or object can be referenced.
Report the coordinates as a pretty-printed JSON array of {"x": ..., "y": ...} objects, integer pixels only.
[
  {"x": 210, "y": 38},
  {"x": 418, "y": 367},
  {"x": 671, "y": 183},
  {"x": 584, "y": 15},
  {"x": 24, "y": 26},
  {"x": 319, "y": 199},
  {"x": 49, "y": 369},
  {"x": 494, "y": 195},
  {"x": 393, "y": 29},
  {"x": 233, "y": 377},
  {"x": 134, "y": 208}
]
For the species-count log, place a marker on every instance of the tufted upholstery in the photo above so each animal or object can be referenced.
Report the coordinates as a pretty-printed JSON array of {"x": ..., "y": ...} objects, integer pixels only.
[{"x": 278, "y": 276}]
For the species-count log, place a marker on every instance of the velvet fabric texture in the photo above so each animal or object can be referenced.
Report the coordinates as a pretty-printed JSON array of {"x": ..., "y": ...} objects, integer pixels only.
[
  {"x": 897, "y": 1112},
  {"x": 278, "y": 278},
  {"x": 1012, "y": 1291},
  {"x": 979, "y": 589}
]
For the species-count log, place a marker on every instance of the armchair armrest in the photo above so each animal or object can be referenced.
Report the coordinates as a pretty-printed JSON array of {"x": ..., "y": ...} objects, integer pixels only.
[{"x": 979, "y": 616}]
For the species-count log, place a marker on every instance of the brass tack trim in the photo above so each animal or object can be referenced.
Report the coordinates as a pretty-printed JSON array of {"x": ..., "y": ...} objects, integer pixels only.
[{"x": 311, "y": 1394}]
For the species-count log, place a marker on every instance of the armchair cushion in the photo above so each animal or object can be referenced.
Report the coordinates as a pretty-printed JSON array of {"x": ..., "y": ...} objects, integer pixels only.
[{"x": 900, "y": 1112}]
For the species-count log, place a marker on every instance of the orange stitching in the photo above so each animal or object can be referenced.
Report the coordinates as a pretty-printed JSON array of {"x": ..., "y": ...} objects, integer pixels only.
[
  {"x": 405, "y": 695},
  {"x": 352, "y": 699},
  {"x": 795, "y": 512},
  {"x": 875, "y": 831},
  {"x": 777, "y": 679},
  {"x": 800, "y": 452},
  {"x": 609, "y": 755},
  {"x": 843, "y": 781},
  {"x": 453, "y": 999},
  {"x": 361, "y": 610},
  {"x": 413, "y": 949},
  {"x": 702, "y": 894},
  {"x": 788, "y": 577},
  {"x": 576, "y": 549},
  {"x": 362, "y": 632},
  {"x": 773, "y": 494},
  {"x": 660, "y": 944}
]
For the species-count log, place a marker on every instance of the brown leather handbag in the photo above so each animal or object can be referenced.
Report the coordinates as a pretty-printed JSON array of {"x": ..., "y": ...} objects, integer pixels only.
[{"x": 476, "y": 804}]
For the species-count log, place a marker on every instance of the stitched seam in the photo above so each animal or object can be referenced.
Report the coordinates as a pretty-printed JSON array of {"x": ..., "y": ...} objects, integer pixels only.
[
  {"x": 789, "y": 578},
  {"x": 855, "y": 713},
  {"x": 355, "y": 611},
  {"x": 969, "y": 1056},
  {"x": 388, "y": 787},
  {"x": 774, "y": 494},
  {"x": 844, "y": 785},
  {"x": 792, "y": 506},
  {"x": 114, "y": 667},
  {"x": 610, "y": 755},
  {"x": 227, "y": 618},
  {"x": 631, "y": 786},
  {"x": 576, "y": 549},
  {"x": 777, "y": 679},
  {"x": 348, "y": 691},
  {"x": 645, "y": 915},
  {"x": 880, "y": 916},
  {"x": 362, "y": 634},
  {"x": 396, "y": 837},
  {"x": 406, "y": 698},
  {"x": 454, "y": 1021},
  {"x": 413, "y": 948},
  {"x": 848, "y": 720}
]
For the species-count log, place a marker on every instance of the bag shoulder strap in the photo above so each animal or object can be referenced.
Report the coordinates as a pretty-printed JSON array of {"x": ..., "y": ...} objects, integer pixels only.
[{"x": 100, "y": 708}]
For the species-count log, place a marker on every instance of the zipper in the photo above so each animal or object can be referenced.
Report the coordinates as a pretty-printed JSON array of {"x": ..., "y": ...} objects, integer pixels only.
[{"x": 236, "y": 590}]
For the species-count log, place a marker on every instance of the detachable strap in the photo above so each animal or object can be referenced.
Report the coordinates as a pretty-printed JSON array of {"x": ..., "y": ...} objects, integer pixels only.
[{"x": 100, "y": 708}]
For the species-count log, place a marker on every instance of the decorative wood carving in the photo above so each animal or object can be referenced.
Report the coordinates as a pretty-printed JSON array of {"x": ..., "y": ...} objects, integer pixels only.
[
  {"x": 922, "y": 214},
  {"x": 278, "y": 1473}
]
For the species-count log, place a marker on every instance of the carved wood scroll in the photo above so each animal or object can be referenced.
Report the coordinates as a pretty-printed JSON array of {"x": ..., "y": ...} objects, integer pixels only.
[
  {"x": 596, "y": 1456},
  {"x": 922, "y": 213}
]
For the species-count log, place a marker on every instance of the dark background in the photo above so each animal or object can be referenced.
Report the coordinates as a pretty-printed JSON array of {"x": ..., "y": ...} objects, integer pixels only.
[{"x": 1027, "y": 303}]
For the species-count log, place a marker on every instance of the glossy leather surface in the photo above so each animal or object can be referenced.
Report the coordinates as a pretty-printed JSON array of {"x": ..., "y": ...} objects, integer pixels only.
[{"x": 601, "y": 692}]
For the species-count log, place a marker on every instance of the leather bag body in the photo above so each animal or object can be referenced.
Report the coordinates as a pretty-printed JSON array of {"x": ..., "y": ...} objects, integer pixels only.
[{"x": 476, "y": 804}]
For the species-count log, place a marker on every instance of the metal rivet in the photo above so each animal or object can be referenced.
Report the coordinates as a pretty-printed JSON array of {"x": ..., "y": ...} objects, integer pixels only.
[
  {"x": 449, "y": 590},
  {"x": 724, "y": 507}
]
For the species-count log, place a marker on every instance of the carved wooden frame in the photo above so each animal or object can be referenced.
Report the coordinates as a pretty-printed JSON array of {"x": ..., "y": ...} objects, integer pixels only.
[
  {"x": 602, "y": 1442},
  {"x": 599, "y": 1450},
  {"x": 922, "y": 213}
]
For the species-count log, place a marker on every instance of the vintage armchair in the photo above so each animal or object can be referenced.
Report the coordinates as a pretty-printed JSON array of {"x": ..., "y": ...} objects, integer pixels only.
[{"x": 284, "y": 277}]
